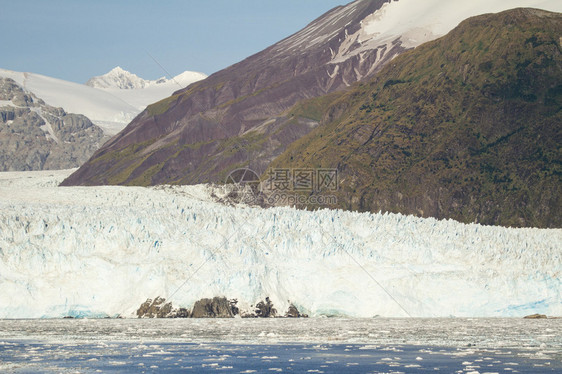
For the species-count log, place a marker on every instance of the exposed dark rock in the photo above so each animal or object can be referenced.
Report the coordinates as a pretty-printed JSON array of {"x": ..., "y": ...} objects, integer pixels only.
[
  {"x": 265, "y": 309},
  {"x": 36, "y": 136},
  {"x": 157, "y": 309},
  {"x": 535, "y": 316},
  {"x": 152, "y": 309},
  {"x": 143, "y": 309},
  {"x": 217, "y": 307},
  {"x": 165, "y": 311},
  {"x": 293, "y": 312},
  {"x": 182, "y": 313},
  {"x": 234, "y": 307}
]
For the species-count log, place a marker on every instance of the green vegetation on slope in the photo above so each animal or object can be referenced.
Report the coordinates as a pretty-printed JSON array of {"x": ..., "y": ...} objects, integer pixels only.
[{"x": 466, "y": 127}]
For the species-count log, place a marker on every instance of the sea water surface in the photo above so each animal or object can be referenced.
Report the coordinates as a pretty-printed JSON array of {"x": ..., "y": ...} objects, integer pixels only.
[{"x": 315, "y": 345}]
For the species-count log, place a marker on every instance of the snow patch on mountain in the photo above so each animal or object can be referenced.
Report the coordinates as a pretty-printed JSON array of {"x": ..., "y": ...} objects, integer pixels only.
[
  {"x": 417, "y": 22},
  {"x": 97, "y": 251},
  {"x": 413, "y": 22}
]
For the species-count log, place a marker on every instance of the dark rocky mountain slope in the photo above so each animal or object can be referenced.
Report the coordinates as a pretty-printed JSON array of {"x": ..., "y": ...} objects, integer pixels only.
[
  {"x": 465, "y": 127},
  {"x": 237, "y": 116}
]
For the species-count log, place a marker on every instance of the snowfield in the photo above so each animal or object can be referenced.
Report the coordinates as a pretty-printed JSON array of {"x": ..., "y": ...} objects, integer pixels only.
[{"x": 102, "y": 251}]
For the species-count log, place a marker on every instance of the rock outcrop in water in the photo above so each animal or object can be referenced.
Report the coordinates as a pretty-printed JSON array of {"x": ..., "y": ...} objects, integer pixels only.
[
  {"x": 217, "y": 307},
  {"x": 265, "y": 309},
  {"x": 154, "y": 308},
  {"x": 157, "y": 309},
  {"x": 535, "y": 316},
  {"x": 293, "y": 312}
]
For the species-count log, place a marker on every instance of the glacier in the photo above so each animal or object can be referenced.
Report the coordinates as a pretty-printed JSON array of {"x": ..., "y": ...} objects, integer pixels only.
[{"x": 102, "y": 251}]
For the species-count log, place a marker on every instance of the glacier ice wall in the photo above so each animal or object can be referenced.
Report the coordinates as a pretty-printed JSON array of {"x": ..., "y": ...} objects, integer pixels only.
[{"x": 101, "y": 251}]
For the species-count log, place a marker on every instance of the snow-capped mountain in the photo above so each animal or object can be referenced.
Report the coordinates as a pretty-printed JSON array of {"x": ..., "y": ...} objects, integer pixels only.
[
  {"x": 140, "y": 92},
  {"x": 124, "y": 80},
  {"x": 105, "y": 110},
  {"x": 98, "y": 251},
  {"x": 110, "y": 108},
  {"x": 121, "y": 79}
]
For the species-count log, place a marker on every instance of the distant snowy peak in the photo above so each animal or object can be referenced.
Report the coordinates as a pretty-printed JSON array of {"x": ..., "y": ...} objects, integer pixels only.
[
  {"x": 119, "y": 78},
  {"x": 139, "y": 92},
  {"x": 188, "y": 77}
]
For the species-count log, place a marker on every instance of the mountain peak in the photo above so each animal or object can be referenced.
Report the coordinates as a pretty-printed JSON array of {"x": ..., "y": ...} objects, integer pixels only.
[
  {"x": 118, "y": 78},
  {"x": 121, "y": 79},
  {"x": 118, "y": 69}
]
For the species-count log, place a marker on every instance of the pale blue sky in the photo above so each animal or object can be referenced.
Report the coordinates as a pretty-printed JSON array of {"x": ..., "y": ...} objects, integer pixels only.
[{"x": 78, "y": 39}]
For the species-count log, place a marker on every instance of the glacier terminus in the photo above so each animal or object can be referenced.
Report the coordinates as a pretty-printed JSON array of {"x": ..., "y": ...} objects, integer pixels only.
[{"x": 102, "y": 251}]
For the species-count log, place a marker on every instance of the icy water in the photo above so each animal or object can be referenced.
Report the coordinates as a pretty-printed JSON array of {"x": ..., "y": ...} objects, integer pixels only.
[{"x": 323, "y": 345}]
